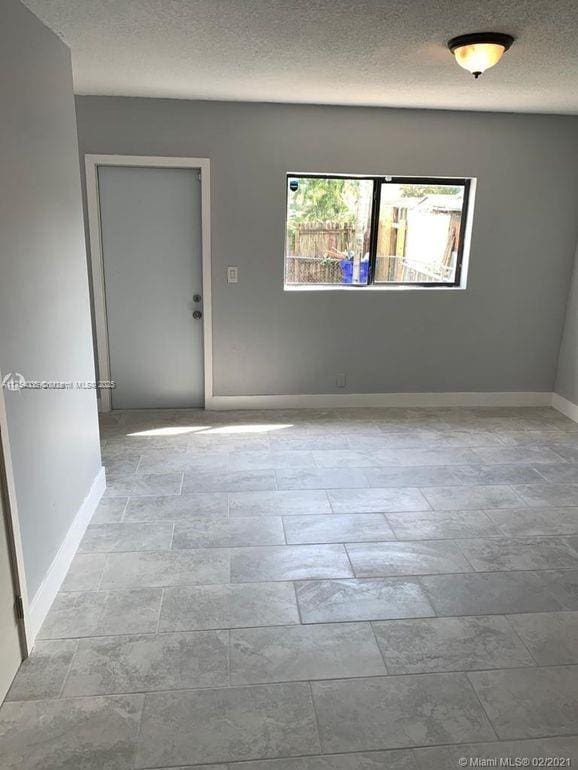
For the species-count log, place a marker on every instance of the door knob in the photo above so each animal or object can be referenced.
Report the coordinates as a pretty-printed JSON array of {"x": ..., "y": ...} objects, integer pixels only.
[
  {"x": 197, "y": 297},
  {"x": 197, "y": 314}
]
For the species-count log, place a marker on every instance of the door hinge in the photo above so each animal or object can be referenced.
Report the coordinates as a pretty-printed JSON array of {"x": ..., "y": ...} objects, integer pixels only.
[{"x": 19, "y": 608}]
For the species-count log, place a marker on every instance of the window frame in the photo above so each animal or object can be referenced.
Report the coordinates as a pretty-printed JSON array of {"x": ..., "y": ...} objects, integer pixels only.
[{"x": 378, "y": 181}]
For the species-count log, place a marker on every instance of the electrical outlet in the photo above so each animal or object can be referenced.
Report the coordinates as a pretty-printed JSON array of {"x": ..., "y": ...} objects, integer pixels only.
[
  {"x": 340, "y": 380},
  {"x": 232, "y": 275}
]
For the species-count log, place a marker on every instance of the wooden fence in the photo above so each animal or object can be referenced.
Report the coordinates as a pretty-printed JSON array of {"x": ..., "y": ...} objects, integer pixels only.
[
  {"x": 391, "y": 244},
  {"x": 315, "y": 250},
  {"x": 321, "y": 239}
]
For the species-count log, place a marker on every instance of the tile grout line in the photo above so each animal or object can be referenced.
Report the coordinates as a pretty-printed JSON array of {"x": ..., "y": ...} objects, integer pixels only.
[
  {"x": 297, "y": 604},
  {"x": 512, "y": 488},
  {"x": 478, "y": 699},
  {"x": 160, "y": 611},
  {"x": 388, "y": 620},
  {"x": 381, "y": 651},
  {"x": 284, "y": 530},
  {"x": 124, "y": 510},
  {"x": 328, "y": 498},
  {"x": 139, "y": 729},
  {"x": 68, "y": 670},
  {"x": 423, "y": 494},
  {"x": 228, "y": 657},
  {"x": 520, "y": 637},
  {"x": 458, "y": 545},
  {"x": 390, "y": 525},
  {"x": 101, "y": 576},
  {"x": 316, "y": 716},
  {"x": 388, "y": 677},
  {"x": 353, "y": 572},
  {"x": 429, "y": 598},
  {"x": 380, "y": 575}
]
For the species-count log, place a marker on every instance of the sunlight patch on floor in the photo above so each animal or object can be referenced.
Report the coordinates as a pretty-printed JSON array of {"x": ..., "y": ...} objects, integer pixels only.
[
  {"x": 249, "y": 428},
  {"x": 209, "y": 430},
  {"x": 168, "y": 431}
]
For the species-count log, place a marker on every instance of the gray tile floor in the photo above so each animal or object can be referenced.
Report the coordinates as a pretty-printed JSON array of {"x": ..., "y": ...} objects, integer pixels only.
[{"x": 314, "y": 590}]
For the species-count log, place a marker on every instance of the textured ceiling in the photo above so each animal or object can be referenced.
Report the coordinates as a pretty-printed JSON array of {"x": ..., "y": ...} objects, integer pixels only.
[{"x": 363, "y": 52}]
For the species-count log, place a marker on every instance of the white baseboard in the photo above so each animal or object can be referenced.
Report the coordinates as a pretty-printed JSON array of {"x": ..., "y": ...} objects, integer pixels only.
[
  {"x": 566, "y": 407},
  {"x": 43, "y": 598},
  {"x": 337, "y": 400}
]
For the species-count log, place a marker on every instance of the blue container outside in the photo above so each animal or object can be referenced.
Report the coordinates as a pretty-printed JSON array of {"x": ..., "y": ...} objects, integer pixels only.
[{"x": 347, "y": 271}]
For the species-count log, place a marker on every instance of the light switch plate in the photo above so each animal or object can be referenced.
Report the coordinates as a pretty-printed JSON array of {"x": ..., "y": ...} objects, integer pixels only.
[{"x": 232, "y": 275}]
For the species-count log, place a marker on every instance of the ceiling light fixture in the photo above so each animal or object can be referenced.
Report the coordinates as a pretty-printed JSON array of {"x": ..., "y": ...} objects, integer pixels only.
[{"x": 479, "y": 51}]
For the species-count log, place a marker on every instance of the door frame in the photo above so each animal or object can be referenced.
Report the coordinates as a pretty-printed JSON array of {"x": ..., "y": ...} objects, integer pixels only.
[
  {"x": 92, "y": 164},
  {"x": 13, "y": 534}
]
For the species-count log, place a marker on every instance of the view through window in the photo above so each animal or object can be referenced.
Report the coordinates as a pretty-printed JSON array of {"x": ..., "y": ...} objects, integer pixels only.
[{"x": 358, "y": 231}]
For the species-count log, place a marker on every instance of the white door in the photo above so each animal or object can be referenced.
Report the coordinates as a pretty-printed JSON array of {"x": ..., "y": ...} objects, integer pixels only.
[
  {"x": 10, "y": 650},
  {"x": 151, "y": 251}
]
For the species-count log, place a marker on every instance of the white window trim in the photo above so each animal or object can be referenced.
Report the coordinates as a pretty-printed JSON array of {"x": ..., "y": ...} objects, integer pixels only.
[{"x": 463, "y": 284}]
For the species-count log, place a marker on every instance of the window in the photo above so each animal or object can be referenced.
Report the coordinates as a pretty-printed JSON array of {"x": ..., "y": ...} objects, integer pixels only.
[{"x": 386, "y": 231}]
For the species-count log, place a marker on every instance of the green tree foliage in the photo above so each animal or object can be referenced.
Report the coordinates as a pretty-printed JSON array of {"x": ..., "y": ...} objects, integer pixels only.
[
  {"x": 419, "y": 190},
  {"x": 325, "y": 200}
]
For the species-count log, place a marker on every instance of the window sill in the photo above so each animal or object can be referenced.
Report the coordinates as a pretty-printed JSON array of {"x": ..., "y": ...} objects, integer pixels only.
[{"x": 372, "y": 287}]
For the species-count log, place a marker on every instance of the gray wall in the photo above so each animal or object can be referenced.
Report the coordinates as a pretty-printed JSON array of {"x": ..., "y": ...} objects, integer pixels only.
[
  {"x": 44, "y": 305},
  {"x": 567, "y": 379},
  {"x": 502, "y": 334}
]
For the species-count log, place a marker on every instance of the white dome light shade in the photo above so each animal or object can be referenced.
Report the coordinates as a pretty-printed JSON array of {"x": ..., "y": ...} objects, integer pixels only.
[{"x": 478, "y": 52}]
